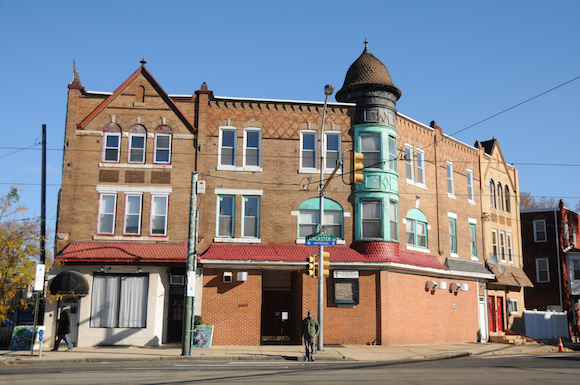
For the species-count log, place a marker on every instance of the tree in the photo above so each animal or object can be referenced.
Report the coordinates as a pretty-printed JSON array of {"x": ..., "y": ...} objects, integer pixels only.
[
  {"x": 19, "y": 240},
  {"x": 527, "y": 201}
]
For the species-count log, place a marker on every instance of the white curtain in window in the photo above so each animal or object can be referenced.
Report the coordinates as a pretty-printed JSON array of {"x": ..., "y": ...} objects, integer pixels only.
[
  {"x": 105, "y": 305},
  {"x": 133, "y": 302}
]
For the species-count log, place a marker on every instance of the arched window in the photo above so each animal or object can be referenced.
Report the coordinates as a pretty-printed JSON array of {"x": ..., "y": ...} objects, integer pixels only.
[
  {"x": 137, "y": 143},
  {"x": 162, "y": 151},
  {"x": 111, "y": 143},
  {"x": 416, "y": 223},
  {"x": 308, "y": 218},
  {"x": 492, "y": 193},
  {"x": 507, "y": 199},
  {"x": 499, "y": 197}
]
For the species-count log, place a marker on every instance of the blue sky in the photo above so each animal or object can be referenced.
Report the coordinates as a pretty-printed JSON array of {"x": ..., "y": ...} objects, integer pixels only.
[{"x": 456, "y": 62}]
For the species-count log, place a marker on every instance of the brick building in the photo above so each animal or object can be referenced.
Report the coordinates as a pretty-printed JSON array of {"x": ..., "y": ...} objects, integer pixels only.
[{"x": 409, "y": 266}]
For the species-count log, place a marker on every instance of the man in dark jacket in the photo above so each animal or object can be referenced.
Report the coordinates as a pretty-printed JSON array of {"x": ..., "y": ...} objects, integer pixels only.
[
  {"x": 309, "y": 329},
  {"x": 63, "y": 328}
]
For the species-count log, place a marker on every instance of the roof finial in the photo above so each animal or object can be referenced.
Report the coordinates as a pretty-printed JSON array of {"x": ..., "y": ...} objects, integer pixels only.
[
  {"x": 366, "y": 45},
  {"x": 143, "y": 62},
  {"x": 76, "y": 80}
]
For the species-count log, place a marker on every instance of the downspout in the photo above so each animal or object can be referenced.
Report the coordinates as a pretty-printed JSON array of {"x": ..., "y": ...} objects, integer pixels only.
[{"x": 435, "y": 127}]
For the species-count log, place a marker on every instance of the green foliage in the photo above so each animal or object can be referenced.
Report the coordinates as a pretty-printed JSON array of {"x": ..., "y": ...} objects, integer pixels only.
[
  {"x": 19, "y": 240},
  {"x": 197, "y": 320}
]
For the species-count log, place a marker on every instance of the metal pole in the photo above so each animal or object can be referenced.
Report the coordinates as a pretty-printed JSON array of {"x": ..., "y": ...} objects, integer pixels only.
[
  {"x": 190, "y": 270},
  {"x": 43, "y": 200}
]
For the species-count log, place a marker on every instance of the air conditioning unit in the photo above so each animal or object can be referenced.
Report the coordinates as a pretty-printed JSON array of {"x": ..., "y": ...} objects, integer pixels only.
[
  {"x": 228, "y": 277},
  {"x": 177, "y": 280}
]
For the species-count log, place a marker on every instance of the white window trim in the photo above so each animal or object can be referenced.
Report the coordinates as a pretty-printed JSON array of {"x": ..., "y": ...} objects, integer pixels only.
[
  {"x": 243, "y": 215},
  {"x": 421, "y": 170},
  {"x": 227, "y": 167},
  {"x": 470, "y": 188},
  {"x": 513, "y": 308},
  {"x": 144, "y": 136},
  {"x": 452, "y": 179},
  {"x": 118, "y": 135},
  {"x": 510, "y": 248},
  {"x": 314, "y": 169},
  {"x": 409, "y": 163},
  {"x": 233, "y": 223},
  {"x": 259, "y": 166},
  {"x": 503, "y": 246},
  {"x": 538, "y": 270},
  {"x": 544, "y": 231},
  {"x": 155, "y": 149},
  {"x": 453, "y": 254},
  {"x": 473, "y": 222},
  {"x": 140, "y": 195},
  {"x": 496, "y": 244},
  {"x": 326, "y": 135},
  {"x": 99, "y": 213},
  {"x": 151, "y": 215}
]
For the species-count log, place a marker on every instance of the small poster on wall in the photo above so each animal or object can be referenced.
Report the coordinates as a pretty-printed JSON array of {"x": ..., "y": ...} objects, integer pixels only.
[
  {"x": 202, "y": 336},
  {"x": 22, "y": 337}
]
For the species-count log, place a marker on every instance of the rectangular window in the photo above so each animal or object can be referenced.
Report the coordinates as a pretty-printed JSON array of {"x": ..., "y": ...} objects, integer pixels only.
[
  {"x": 227, "y": 143},
  {"x": 473, "y": 240},
  {"x": 162, "y": 148},
  {"x": 409, "y": 164},
  {"x": 512, "y": 306},
  {"x": 494, "y": 243},
  {"x": 307, "y": 223},
  {"x": 540, "y": 231},
  {"x": 410, "y": 232},
  {"x": 502, "y": 245},
  {"x": 452, "y": 236},
  {"x": 158, "y": 225},
  {"x": 309, "y": 153},
  {"x": 372, "y": 219},
  {"x": 371, "y": 150},
  {"x": 573, "y": 231},
  {"x": 576, "y": 268},
  {"x": 107, "y": 208},
  {"x": 251, "y": 220},
  {"x": 566, "y": 232},
  {"x": 470, "y": 189},
  {"x": 510, "y": 248},
  {"x": 542, "y": 270},
  {"x": 119, "y": 301},
  {"x": 392, "y": 154},
  {"x": 132, "y": 215},
  {"x": 420, "y": 167},
  {"x": 394, "y": 221},
  {"x": 226, "y": 216},
  {"x": 421, "y": 234},
  {"x": 333, "y": 223},
  {"x": 252, "y": 147},
  {"x": 137, "y": 148},
  {"x": 112, "y": 145},
  {"x": 450, "y": 182},
  {"x": 332, "y": 147}
]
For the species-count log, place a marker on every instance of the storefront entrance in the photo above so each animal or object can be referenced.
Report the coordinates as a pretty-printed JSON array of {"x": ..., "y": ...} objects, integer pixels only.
[{"x": 281, "y": 309}]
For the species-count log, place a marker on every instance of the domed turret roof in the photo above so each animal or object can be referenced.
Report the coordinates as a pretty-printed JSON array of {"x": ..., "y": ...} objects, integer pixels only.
[{"x": 367, "y": 72}]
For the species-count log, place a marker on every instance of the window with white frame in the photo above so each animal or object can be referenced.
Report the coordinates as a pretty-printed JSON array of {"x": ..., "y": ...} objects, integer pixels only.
[
  {"x": 492, "y": 193},
  {"x": 507, "y": 199},
  {"x": 372, "y": 218},
  {"x": 566, "y": 232},
  {"x": 573, "y": 231},
  {"x": 137, "y": 141},
  {"x": 332, "y": 149},
  {"x": 132, "y": 223},
  {"x": 473, "y": 240},
  {"x": 225, "y": 216},
  {"x": 251, "y": 219},
  {"x": 512, "y": 306},
  {"x": 111, "y": 146},
  {"x": 452, "y": 235},
  {"x": 540, "y": 231},
  {"x": 307, "y": 223},
  {"x": 499, "y": 197},
  {"x": 162, "y": 152},
  {"x": 510, "y": 249},
  {"x": 416, "y": 229},
  {"x": 308, "y": 212},
  {"x": 542, "y": 270},
  {"x": 107, "y": 209},
  {"x": 392, "y": 143},
  {"x": 470, "y": 188},
  {"x": 119, "y": 301},
  {"x": 158, "y": 224},
  {"x": 450, "y": 180},
  {"x": 394, "y": 221},
  {"x": 502, "y": 245},
  {"x": 420, "y": 167},
  {"x": 494, "y": 243},
  {"x": 227, "y": 146},
  {"x": 252, "y": 147},
  {"x": 308, "y": 150},
  {"x": 409, "y": 164},
  {"x": 371, "y": 150}
]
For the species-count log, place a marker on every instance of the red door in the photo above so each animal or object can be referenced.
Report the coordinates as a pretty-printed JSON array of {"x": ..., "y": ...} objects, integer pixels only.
[
  {"x": 499, "y": 310},
  {"x": 491, "y": 309}
]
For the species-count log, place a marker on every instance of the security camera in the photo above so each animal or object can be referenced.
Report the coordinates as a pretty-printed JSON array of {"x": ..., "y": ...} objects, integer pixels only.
[
  {"x": 454, "y": 287},
  {"x": 430, "y": 285}
]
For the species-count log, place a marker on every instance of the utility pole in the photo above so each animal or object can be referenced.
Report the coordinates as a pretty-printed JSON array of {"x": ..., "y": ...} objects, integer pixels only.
[
  {"x": 191, "y": 269},
  {"x": 328, "y": 90}
]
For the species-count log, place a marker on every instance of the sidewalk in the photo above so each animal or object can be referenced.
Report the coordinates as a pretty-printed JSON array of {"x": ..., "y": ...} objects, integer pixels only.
[{"x": 274, "y": 353}]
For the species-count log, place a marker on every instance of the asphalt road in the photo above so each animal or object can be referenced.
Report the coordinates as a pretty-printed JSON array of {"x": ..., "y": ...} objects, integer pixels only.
[{"x": 561, "y": 368}]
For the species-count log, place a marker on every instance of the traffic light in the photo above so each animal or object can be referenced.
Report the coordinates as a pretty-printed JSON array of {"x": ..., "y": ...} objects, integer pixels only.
[
  {"x": 325, "y": 264},
  {"x": 356, "y": 168},
  {"x": 311, "y": 268}
]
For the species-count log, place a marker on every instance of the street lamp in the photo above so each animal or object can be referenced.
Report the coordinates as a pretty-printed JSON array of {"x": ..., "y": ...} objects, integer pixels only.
[{"x": 328, "y": 90}]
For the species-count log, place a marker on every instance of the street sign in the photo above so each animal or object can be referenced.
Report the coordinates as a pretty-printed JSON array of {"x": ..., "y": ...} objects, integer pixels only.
[{"x": 321, "y": 239}]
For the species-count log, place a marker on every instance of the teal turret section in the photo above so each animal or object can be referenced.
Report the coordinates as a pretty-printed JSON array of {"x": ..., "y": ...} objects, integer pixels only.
[{"x": 369, "y": 85}]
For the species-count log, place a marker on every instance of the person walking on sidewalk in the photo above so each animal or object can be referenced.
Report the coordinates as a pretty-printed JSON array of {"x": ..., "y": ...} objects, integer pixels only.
[
  {"x": 309, "y": 329},
  {"x": 63, "y": 328}
]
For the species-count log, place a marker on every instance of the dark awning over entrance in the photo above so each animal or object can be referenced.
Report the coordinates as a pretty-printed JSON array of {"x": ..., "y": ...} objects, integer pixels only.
[{"x": 69, "y": 282}]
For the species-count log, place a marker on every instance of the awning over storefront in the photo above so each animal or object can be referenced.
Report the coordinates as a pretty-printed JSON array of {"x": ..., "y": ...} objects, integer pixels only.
[
  {"x": 470, "y": 268},
  {"x": 513, "y": 276},
  {"x": 101, "y": 252},
  {"x": 69, "y": 282}
]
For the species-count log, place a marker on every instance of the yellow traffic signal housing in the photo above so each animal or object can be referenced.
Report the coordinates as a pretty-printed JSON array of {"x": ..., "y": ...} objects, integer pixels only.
[
  {"x": 356, "y": 172},
  {"x": 311, "y": 268},
  {"x": 325, "y": 264}
]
